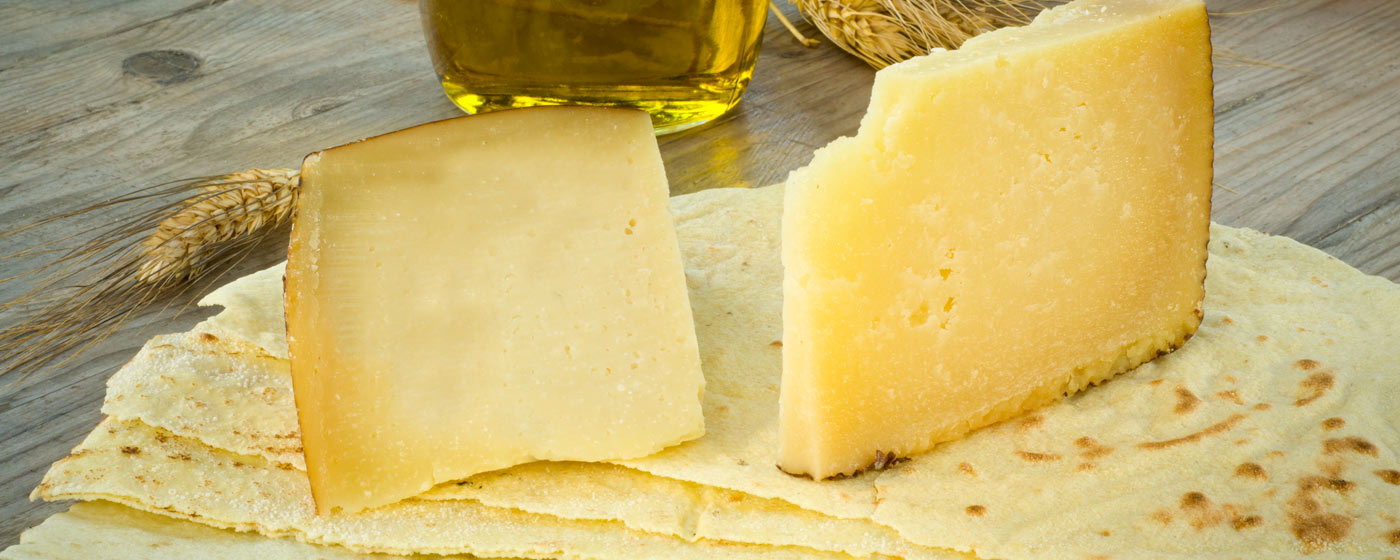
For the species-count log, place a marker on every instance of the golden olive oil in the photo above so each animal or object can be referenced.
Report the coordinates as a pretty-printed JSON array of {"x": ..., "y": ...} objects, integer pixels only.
[{"x": 683, "y": 61}]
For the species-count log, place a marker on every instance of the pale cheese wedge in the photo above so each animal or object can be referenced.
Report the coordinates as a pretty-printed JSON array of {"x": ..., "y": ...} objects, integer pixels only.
[{"x": 1015, "y": 220}]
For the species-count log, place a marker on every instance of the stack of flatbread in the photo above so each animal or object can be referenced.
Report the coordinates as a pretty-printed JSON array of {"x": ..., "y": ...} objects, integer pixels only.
[{"x": 1274, "y": 432}]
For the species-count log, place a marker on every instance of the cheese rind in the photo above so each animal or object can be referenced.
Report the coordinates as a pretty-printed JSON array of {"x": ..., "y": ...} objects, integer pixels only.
[
  {"x": 1014, "y": 221},
  {"x": 485, "y": 291}
]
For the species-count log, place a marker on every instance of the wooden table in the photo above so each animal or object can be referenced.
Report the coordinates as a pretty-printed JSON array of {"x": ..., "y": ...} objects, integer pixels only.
[{"x": 1307, "y": 134}]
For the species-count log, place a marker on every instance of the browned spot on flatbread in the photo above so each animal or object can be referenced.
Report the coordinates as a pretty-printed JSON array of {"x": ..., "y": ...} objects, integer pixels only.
[
  {"x": 1194, "y": 500},
  {"x": 1246, "y": 522},
  {"x": 1029, "y": 422},
  {"x": 206, "y": 337},
  {"x": 1226, "y": 320},
  {"x": 1349, "y": 444},
  {"x": 1085, "y": 467},
  {"x": 1320, "y": 530},
  {"x": 1218, "y": 427},
  {"x": 976, "y": 510},
  {"x": 1035, "y": 457},
  {"x": 1393, "y": 537},
  {"x": 1306, "y": 364},
  {"x": 1310, "y": 483},
  {"x": 1251, "y": 470},
  {"x": 1155, "y": 382},
  {"x": 1311, "y": 523},
  {"x": 131, "y": 450},
  {"x": 180, "y": 457},
  {"x": 1262, "y": 338},
  {"x": 1390, "y": 476},
  {"x": 1317, "y": 385},
  {"x": 966, "y": 468},
  {"x": 1186, "y": 401},
  {"x": 1263, "y": 406},
  {"x": 1231, "y": 379},
  {"x": 776, "y": 344},
  {"x": 1162, "y": 516},
  {"x": 1317, "y": 281},
  {"x": 1201, "y": 513},
  {"x": 1333, "y": 423},
  {"x": 1090, "y": 448},
  {"x": 1231, "y": 395}
]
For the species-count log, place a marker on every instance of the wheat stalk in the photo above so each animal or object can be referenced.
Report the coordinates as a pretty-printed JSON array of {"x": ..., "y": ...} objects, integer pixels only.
[
  {"x": 884, "y": 32},
  {"x": 156, "y": 249}
]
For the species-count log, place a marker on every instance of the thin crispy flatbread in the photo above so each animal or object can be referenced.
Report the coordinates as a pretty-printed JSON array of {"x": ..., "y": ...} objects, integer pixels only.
[
  {"x": 217, "y": 392},
  {"x": 1267, "y": 434},
  {"x": 136, "y": 465}
]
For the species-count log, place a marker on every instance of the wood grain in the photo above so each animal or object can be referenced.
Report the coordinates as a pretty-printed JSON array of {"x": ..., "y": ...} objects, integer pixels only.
[{"x": 100, "y": 97}]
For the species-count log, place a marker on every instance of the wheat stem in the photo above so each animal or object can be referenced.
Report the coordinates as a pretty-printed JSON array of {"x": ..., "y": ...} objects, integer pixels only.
[
  {"x": 805, "y": 40},
  {"x": 155, "y": 250}
]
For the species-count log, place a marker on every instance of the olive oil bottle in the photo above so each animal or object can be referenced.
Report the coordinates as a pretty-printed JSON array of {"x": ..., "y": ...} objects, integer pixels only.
[{"x": 683, "y": 61}]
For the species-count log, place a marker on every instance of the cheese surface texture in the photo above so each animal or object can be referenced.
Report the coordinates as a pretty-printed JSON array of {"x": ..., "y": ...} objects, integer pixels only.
[
  {"x": 1014, "y": 221},
  {"x": 476, "y": 293}
]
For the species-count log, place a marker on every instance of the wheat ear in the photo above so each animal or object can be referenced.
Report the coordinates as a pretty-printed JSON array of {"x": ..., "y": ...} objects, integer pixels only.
[
  {"x": 233, "y": 206},
  {"x": 884, "y": 32}
]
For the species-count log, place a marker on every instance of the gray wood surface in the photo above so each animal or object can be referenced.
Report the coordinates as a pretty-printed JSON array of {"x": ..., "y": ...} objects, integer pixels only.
[{"x": 98, "y": 97}]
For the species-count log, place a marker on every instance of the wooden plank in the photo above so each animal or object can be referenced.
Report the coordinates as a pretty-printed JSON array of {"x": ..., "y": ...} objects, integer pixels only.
[
  {"x": 1306, "y": 143},
  {"x": 1308, "y": 127}
]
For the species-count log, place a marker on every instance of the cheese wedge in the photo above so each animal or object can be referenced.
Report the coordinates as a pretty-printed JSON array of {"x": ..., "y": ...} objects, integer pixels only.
[
  {"x": 1014, "y": 221},
  {"x": 485, "y": 291}
]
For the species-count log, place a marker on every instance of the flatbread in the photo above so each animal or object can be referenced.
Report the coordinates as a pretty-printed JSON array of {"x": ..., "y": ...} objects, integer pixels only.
[
  {"x": 92, "y": 530},
  {"x": 214, "y": 390},
  {"x": 145, "y": 468},
  {"x": 672, "y": 507},
  {"x": 228, "y": 395},
  {"x": 248, "y": 313},
  {"x": 1115, "y": 471}
]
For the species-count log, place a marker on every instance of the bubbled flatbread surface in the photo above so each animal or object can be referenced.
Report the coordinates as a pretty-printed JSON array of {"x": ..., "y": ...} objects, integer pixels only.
[{"x": 1268, "y": 434}]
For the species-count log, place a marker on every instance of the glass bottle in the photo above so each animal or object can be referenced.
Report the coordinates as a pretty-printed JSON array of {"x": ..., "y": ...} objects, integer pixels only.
[{"x": 683, "y": 61}]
